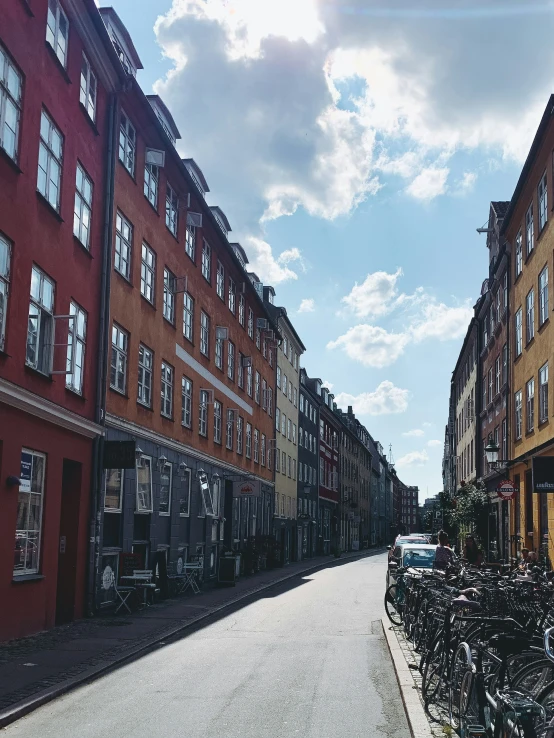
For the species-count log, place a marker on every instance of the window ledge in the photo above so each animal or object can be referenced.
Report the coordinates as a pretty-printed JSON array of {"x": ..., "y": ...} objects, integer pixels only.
[
  {"x": 4, "y": 154},
  {"x": 38, "y": 373},
  {"x": 543, "y": 422},
  {"x": 50, "y": 207},
  {"x": 74, "y": 393},
  {"x": 544, "y": 324},
  {"x": 132, "y": 176},
  {"x": 27, "y": 578},
  {"x": 119, "y": 392},
  {"x": 82, "y": 246},
  {"x": 60, "y": 66},
  {"x": 169, "y": 322},
  {"x": 168, "y": 229},
  {"x": 542, "y": 230},
  {"x": 144, "y": 406},
  {"x": 530, "y": 255},
  {"x": 147, "y": 301},
  {"x": 167, "y": 417},
  {"x": 530, "y": 343},
  {"x": 155, "y": 209},
  {"x": 123, "y": 277},
  {"x": 27, "y": 8},
  {"x": 90, "y": 121}
]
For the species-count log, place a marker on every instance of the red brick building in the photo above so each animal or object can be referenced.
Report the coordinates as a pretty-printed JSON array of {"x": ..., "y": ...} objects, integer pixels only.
[{"x": 58, "y": 74}]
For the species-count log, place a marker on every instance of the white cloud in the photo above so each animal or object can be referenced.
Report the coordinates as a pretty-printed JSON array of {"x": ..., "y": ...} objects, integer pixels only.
[
  {"x": 385, "y": 400},
  {"x": 307, "y": 305},
  {"x": 427, "y": 425},
  {"x": 375, "y": 294},
  {"x": 434, "y": 443},
  {"x": 269, "y": 269},
  {"x": 429, "y": 183},
  {"x": 415, "y": 433},
  {"x": 466, "y": 184},
  {"x": 370, "y": 345},
  {"x": 414, "y": 458},
  {"x": 441, "y": 322},
  {"x": 327, "y": 384}
]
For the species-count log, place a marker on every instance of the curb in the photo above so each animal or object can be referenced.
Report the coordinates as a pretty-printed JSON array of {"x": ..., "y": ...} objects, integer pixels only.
[
  {"x": 415, "y": 714},
  {"x": 24, "y": 707}
]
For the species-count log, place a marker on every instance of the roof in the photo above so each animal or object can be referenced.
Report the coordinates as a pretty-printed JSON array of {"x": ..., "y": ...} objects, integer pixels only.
[
  {"x": 500, "y": 207},
  {"x": 280, "y": 312},
  {"x": 198, "y": 173},
  {"x": 219, "y": 212},
  {"x": 241, "y": 251},
  {"x": 110, "y": 14},
  {"x": 167, "y": 115},
  {"x": 531, "y": 156}
]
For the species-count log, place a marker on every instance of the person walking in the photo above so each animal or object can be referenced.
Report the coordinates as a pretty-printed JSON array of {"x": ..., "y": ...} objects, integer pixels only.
[
  {"x": 444, "y": 556},
  {"x": 472, "y": 553}
]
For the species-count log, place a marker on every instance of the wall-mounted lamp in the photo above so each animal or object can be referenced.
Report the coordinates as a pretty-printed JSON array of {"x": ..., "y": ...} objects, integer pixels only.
[
  {"x": 13, "y": 481},
  {"x": 491, "y": 452},
  {"x": 162, "y": 461},
  {"x": 138, "y": 454},
  {"x": 183, "y": 470}
]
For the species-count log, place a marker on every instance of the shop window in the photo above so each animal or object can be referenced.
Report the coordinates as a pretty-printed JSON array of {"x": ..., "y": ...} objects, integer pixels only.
[
  {"x": 113, "y": 489},
  {"x": 144, "y": 485},
  {"x": 29, "y": 513},
  {"x": 166, "y": 479}
]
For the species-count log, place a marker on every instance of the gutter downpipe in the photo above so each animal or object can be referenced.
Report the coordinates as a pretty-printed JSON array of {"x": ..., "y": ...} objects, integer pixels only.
[{"x": 98, "y": 443}]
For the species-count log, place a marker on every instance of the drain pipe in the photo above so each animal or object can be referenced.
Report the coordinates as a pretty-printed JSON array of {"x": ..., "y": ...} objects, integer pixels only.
[{"x": 96, "y": 496}]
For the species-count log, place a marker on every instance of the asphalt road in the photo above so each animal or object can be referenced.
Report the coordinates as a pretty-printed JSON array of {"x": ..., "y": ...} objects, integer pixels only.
[{"x": 308, "y": 658}]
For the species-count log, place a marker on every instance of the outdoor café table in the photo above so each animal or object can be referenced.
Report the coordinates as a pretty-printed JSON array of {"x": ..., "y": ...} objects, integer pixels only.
[
  {"x": 142, "y": 581},
  {"x": 190, "y": 578}
]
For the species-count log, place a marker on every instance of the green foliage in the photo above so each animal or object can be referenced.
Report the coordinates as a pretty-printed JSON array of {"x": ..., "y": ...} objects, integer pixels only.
[{"x": 471, "y": 511}]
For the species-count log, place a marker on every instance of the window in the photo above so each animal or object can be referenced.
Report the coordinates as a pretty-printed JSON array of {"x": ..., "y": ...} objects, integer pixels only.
[
  {"x": 204, "y": 333},
  {"x": 127, "y": 144},
  {"x": 10, "y": 105},
  {"x": 169, "y": 295},
  {"x": 277, "y": 418},
  {"x": 118, "y": 368},
  {"x": 519, "y": 333},
  {"x": 5, "y": 261},
  {"x": 263, "y": 450},
  {"x": 530, "y": 399},
  {"x": 184, "y": 500},
  {"x": 285, "y": 346},
  {"x": 219, "y": 353},
  {"x": 504, "y": 364},
  {"x": 302, "y": 403},
  {"x": 218, "y": 409},
  {"x": 144, "y": 485},
  {"x": 220, "y": 280},
  {"x": 295, "y": 398},
  {"x": 290, "y": 391},
  {"x": 519, "y": 255},
  {"x": 232, "y": 295},
  {"x": 171, "y": 209},
  {"x": 76, "y": 340},
  {"x": 543, "y": 295},
  {"x": 289, "y": 429},
  {"x": 231, "y": 361},
  {"x": 240, "y": 426},
  {"x": 279, "y": 377},
  {"x": 270, "y": 357},
  {"x": 40, "y": 332},
  {"x": 283, "y": 463},
  {"x": 248, "y": 440},
  {"x": 504, "y": 456},
  {"x": 207, "y": 261},
  {"x": 270, "y": 401},
  {"x": 241, "y": 310},
  {"x": 113, "y": 489},
  {"x": 249, "y": 379},
  {"x": 543, "y": 393},
  {"x": 258, "y": 338},
  {"x": 505, "y": 290},
  {"x": 145, "y": 364},
  {"x": 277, "y": 462},
  {"x": 498, "y": 375},
  {"x": 123, "y": 242},
  {"x": 167, "y": 390},
  {"x": 186, "y": 396},
  {"x": 250, "y": 322},
  {"x": 240, "y": 371},
  {"x": 83, "y": 207},
  {"x": 50, "y": 158},
  {"x": 147, "y": 272},
  {"x": 283, "y": 424},
  {"x": 29, "y": 513},
  {"x": 229, "y": 429},
  {"x": 257, "y": 388},
  {"x": 530, "y": 315},
  {"x": 151, "y": 184},
  {"x": 166, "y": 476},
  {"x": 190, "y": 240},
  {"x": 529, "y": 230},
  {"x": 257, "y": 446},
  {"x": 290, "y": 467},
  {"x": 264, "y": 394},
  {"x": 294, "y": 433},
  {"x": 285, "y": 384},
  {"x": 87, "y": 92},
  {"x": 203, "y": 413},
  {"x": 57, "y": 30},
  {"x": 542, "y": 200},
  {"x": 188, "y": 316}
]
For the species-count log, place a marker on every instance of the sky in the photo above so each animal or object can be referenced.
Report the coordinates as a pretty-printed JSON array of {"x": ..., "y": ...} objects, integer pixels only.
[{"x": 355, "y": 146}]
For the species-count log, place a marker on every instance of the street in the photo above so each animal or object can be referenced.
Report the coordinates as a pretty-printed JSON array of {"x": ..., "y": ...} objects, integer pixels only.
[{"x": 307, "y": 658}]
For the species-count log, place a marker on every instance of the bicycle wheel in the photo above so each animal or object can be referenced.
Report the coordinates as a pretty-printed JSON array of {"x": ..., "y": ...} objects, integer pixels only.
[
  {"x": 393, "y": 607},
  {"x": 546, "y": 699},
  {"x": 462, "y": 662},
  {"x": 534, "y": 677},
  {"x": 470, "y": 711},
  {"x": 420, "y": 626},
  {"x": 433, "y": 671}
]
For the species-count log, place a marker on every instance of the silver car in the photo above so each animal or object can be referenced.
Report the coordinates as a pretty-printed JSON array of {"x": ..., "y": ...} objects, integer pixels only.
[{"x": 417, "y": 556}]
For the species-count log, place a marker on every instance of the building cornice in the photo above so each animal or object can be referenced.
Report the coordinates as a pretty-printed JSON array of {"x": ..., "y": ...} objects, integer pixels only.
[{"x": 15, "y": 396}]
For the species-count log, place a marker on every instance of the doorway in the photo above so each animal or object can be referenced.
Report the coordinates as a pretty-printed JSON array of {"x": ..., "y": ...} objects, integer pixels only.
[{"x": 67, "y": 543}]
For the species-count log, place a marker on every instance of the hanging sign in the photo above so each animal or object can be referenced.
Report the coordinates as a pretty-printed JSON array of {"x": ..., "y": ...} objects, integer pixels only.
[
  {"x": 543, "y": 474},
  {"x": 248, "y": 488},
  {"x": 25, "y": 472},
  {"x": 506, "y": 489}
]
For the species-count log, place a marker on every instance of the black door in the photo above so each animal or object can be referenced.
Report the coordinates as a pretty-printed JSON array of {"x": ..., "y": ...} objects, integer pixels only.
[{"x": 67, "y": 544}]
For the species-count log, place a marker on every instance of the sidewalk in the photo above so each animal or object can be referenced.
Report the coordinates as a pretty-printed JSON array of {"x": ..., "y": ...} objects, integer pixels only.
[{"x": 39, "y": 668}]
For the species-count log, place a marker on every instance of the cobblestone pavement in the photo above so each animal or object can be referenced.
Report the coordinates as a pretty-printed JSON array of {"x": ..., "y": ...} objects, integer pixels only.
[{"x": 439, "y": 724}]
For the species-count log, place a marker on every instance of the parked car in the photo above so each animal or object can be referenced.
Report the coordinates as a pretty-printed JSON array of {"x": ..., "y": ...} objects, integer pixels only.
[
  {"x": 417, "y": 556},
  {"x": 412, "y": 538}
]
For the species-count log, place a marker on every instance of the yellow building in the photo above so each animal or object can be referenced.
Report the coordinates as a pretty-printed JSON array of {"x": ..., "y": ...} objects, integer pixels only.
[{"x": 529, "y": 230}]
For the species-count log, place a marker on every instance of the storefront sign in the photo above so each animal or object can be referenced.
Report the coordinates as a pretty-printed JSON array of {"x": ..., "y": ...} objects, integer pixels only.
[
  {"x": 249, "y": 488},
  {"x": 543, "y": 474},
  {"x": 506, "y": 489},
  {"x": 25, "y": 472},
  {"x": 119, "y": 455}
]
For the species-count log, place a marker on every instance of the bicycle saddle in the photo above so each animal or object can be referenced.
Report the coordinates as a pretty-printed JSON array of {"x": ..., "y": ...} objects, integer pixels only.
[{"x": 462, "y": 603}]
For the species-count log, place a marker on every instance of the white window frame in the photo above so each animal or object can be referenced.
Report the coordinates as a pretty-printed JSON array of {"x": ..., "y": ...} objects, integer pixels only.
[
  {"x": 220, "y": 280},
  {"x": 204, "y": 333},
  {"x": 543, "y": 393},
  {"x": 5, "y": 266},
  {"x": 28, "y": 494},
  {"x": 190, "y": 240},
  {"x": 519, "y": 254},
  {"x": 240, "y": 371},
  {"x": 242, "y": 309},
  {"x": 257, "y": 381},
  {"x": 186, "y": 483},
  {"x": 43, "y": 312},
  {"x": 55, "y": 36},
  {"x": 152, "y": 184},
  {"x": 530, "y": 404},
  {"x": 167, "y": 375},
  {"x": 248, "y": 440},
  {"x": 170, "y": 286},
  {"x": 10, "y": 100},
  {"x": 529, "y": 230},
  {"x": 263, "y": 450},
  {"x": 518, "y": 332},
  {"x": 543, "y": 295},
  {"x": 144, "y": 376},
  {"x": 147, "y": 272},
  {"x": 171, "y": 209},
  {"x": 88, "y": 88},
  {"x": 76, "y": 342},
  {"x": 186, "y": 402},
  {"x": 141, "y": 501},
  {"x": 121, "y": 473},
  {"x": 206, "y": 265},
  {"x": 119, "y": 352},
  {"x": 530, "y": 315},
  {"x": 232, "y": 296},
  {"x": 203, "y": 413},
  {"x": 542, "y": 200},
  {"x": 256, "y": 446},
  {"x": 50, "y": 161},
  {"x": 230, "y": 429},
  {"x": 218, "y": 416},
  {"x": 240, "y": 432},
  {"x": 167, "y": 467},
  {"x": 249, "y": 380},
  {"x": 82, "y": 212},
  {"x": 188, "y": 316},
  {"x": 231, "y": 360},
  {"x": 123, "y": 245},
  {"x": 127, "y": 143},
  {"x": 250, "y": 322}
]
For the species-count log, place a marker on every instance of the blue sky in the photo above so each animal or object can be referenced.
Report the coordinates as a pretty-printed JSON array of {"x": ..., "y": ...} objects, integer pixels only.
[{"x": 355, "y": 147}]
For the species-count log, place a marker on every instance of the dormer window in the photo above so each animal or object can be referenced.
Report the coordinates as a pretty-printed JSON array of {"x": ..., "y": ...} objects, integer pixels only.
[
  {"x": 166, "y": 127},
  {"x": 123, "y": 58},
  {"x": 239, "y": 255},
  {"x": 270, "y": 297}
]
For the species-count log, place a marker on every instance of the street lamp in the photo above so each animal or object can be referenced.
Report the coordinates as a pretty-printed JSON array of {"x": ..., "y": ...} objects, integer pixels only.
[{"x": 491, "y": 452}]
